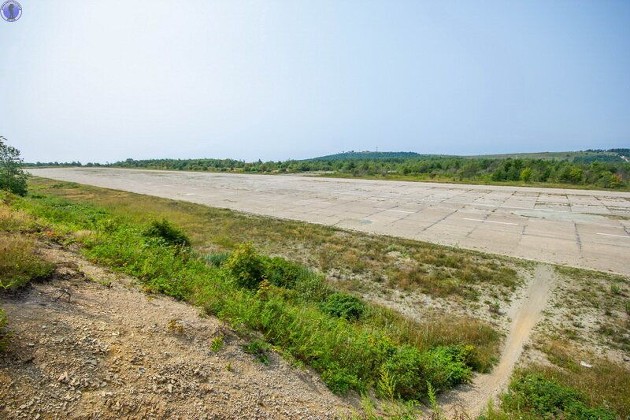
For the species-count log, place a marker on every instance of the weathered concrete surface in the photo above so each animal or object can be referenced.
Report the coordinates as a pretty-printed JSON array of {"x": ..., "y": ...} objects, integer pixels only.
[{"x": 589, "y": 229}]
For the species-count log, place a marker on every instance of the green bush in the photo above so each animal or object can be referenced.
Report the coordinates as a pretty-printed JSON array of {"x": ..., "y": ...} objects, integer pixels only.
[
  {"x": 343, "y": 305},
  {"x": 246, "y": 266},
  {"x": 340, "y": 380},
  {"x": 406, "y": 373},
  {"x": 410, "y": 370},
  {"x": 12, "y": 176},
  {"x": 166, "y": 233},
  {"x": 447, "y": 366},
  {"x": 283, "y": 273},
  {"x": 541, "y": 398}
]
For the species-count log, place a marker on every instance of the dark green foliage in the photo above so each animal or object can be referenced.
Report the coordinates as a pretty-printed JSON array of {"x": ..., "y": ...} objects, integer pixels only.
[
  {"x": 343, "y": 305},
  {"x": 447, "y": 366},
  {"x": 12, "y": 177},
  {"x": 541, "y": 398},
  {"x": 258, "y": 349},
  {"x": 443, "y": 367},
  {"x": 340, "y": 380},
  {"x": 284, "y": 273},
  {"x": 368, "y": 156},
  {"x": 166, "y": 233},
  {"x": 246, "y": 266},
  {"x": 217, "y": 259}
]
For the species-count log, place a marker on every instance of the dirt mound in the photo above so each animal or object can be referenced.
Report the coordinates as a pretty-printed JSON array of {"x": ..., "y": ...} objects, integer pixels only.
[{"x": 88, "y": 344}]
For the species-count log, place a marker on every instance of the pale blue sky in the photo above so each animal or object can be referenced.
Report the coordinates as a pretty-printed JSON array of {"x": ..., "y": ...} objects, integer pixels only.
[{"x": 106, "y": 80}]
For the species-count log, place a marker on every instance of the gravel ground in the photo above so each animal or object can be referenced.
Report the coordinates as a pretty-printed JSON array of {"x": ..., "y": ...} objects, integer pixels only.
[{"x": 89, "y": 344}]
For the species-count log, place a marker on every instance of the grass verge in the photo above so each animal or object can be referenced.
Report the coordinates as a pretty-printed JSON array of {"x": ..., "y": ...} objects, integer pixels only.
[
  {"x": 436, "y": 270},
  {"x": 374, "y": 349}
]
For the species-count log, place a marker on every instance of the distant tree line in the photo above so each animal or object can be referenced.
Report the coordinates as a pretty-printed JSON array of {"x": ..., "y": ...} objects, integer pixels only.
[{"x": 590, "y": 168}]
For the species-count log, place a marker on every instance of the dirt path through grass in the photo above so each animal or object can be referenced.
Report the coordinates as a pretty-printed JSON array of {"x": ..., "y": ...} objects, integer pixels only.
[{"x": 525, "y": 313}]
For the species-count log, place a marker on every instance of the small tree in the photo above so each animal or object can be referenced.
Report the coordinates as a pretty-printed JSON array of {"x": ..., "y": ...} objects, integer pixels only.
[{"x": 12, "y": 176}]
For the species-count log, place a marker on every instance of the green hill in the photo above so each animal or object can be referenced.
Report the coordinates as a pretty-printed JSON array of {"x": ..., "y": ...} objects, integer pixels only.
[{"x": 366, "y": 155}]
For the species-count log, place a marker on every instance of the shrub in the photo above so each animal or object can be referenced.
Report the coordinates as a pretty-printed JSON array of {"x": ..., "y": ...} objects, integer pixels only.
[
  {"x": 405, "y": 368},
  {"x": 343, "y": 305},
  {"x": 411, "y": 370},
  {"x": 340, "y": 381},
  {"x": 447, "y": 366},
  {"x": 283, "y": 273},
  {"x": 166, "y": 233},
  {"x": 246, "y": 266},
  {"x": 542, "y": 398},
  {"x": 12, "y": 176}
]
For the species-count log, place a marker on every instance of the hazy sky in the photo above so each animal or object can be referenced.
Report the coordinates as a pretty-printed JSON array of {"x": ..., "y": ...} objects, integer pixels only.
[{"x": 106, "y": 80}]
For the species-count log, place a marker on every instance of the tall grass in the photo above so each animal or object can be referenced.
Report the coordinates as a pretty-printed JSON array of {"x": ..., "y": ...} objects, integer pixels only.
[
  {"x": 246, "y": 290},
  {"x": 18, "y": 262}
]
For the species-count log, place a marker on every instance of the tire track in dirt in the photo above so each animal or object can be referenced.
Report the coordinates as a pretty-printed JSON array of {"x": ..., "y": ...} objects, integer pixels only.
[{"x": 525, "y": 313}]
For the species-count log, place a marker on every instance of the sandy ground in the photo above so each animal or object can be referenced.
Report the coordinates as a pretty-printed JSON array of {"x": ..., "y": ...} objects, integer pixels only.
[
  {"x": 588, "y": 229},
  {"x": 88, "y": 344}
]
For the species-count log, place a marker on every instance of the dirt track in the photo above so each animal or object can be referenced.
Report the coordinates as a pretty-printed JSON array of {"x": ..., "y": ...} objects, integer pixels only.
[{"x": 525, "y": 313}]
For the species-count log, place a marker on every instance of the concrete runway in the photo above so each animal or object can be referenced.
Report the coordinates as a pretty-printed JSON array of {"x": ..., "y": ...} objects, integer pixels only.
[{"x": 589, "y": 229}]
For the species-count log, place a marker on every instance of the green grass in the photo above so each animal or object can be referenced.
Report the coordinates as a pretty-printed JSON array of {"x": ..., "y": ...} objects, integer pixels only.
[
  {"x": 536, "y": 394},
  {"x": 19, "y": 264},
  {"x": 565, "y": 389},
  {"x": 397, "y": 263},
  {"x": 349, "y": 354}
]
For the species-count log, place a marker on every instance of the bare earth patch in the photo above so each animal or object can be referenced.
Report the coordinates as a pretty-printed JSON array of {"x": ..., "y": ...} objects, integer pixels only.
[{"x": 89, "y": 344}]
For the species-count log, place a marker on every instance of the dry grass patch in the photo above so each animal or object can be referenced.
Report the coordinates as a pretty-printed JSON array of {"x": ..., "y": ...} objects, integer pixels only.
[{"x": 606, "y": 383}]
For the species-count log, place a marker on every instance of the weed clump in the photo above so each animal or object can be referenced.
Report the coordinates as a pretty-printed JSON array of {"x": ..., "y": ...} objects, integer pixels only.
[
  {"x": 412, "y": 370},
  {"x": 164, "y": 232},
  {"x": 217, "y": 259},
  {"x": 258, "y": 349},
  {"x": 343, "y": 305}
]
